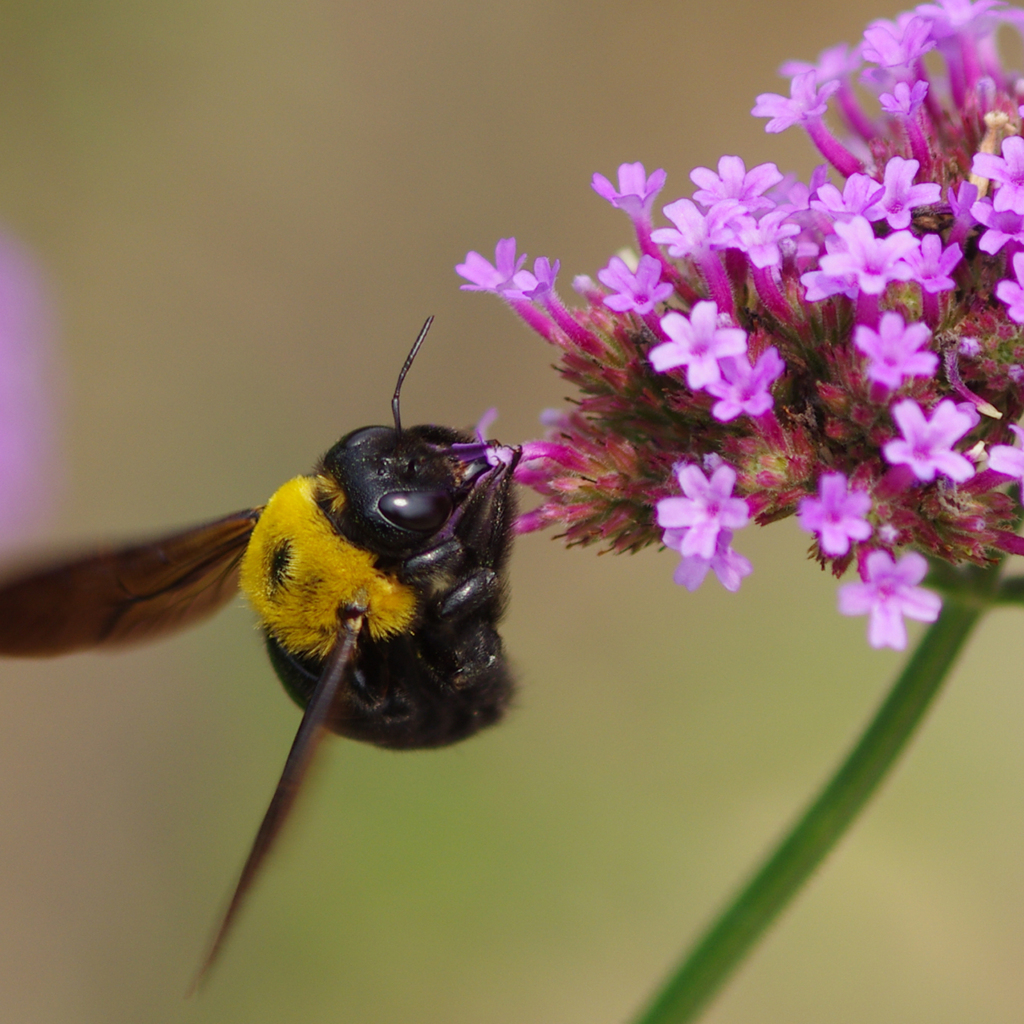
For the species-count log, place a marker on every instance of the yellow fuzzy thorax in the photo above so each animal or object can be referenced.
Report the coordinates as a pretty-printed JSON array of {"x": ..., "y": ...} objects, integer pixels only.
[{"x": 297, "y": 573}]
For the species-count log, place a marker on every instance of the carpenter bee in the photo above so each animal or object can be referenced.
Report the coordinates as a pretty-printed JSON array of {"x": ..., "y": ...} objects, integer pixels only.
[{"x": 378, "y": 580}]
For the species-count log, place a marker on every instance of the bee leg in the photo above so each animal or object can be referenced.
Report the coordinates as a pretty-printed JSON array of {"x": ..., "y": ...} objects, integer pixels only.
[
  {"x": 311, "y": 731},
  {"x": 476, "y": 590},
  {"x": 478, "y": 653},
  {"x": 447, "y": 557}
]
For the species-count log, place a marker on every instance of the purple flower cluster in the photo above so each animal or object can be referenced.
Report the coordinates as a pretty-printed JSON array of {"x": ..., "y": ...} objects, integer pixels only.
[{"x": 848, "y": 350}]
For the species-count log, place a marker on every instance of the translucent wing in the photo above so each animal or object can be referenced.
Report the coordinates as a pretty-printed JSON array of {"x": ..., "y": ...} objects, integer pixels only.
[{"x": 124, "y": 595}]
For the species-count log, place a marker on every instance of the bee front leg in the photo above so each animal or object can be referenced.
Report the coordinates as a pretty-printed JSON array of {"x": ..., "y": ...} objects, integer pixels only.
[
  {"x": 446, "y": 559},
  {"x": 474, "y": 591}
]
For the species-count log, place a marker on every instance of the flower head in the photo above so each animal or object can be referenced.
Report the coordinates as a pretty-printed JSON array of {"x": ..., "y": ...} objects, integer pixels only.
[
  {"x": 776, "y": 350},
  {"x": 888, "y": 594}
]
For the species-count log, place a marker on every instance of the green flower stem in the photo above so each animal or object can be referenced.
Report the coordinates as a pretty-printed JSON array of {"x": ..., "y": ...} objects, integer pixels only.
[
  {"x": 1011, "y": 591},
  {"x": 723, "y": 947}
]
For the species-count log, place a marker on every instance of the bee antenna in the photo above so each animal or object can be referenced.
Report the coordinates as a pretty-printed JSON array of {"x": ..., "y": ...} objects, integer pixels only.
[{"x": 395, "y": 410}]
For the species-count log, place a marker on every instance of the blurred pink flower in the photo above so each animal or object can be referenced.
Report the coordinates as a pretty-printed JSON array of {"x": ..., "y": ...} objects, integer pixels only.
[{"x": 27, "y": 436}]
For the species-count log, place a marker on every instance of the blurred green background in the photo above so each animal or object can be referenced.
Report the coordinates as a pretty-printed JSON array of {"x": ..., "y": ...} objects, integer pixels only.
[{"x": 245, "y": 211}]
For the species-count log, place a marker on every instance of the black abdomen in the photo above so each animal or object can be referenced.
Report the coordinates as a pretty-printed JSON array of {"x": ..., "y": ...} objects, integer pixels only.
[{"x": 405, "y": 693}]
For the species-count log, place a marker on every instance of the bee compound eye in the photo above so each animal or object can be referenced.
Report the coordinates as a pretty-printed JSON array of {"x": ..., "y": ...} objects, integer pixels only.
[{"x": 423, "y": 511}]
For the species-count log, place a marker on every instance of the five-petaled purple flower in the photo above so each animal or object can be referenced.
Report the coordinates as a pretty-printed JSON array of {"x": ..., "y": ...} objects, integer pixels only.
[
  {"x": 952, "y": 16},
  {"x": 1003, "y": 226},
  {"x": 804, "y": 103},
  {"x": 538, "y": 284},
  {"x": 745, "y": 388},
  {"x": 759, "y": 239},
  {"x": 891, "y": 45},
  {"x": 820, "y": 285},
  {"x": 838, "y": 61},
  {"x": 734, "y": 181},
  {"x": 859, "y": 196},
  {"x": 697, "y": 232},
  {"x": 636, "y": 192},
  {"x": 1007, "y": 170},
  {"x": 926, "y": 446},
  {"x": 1008, "y": 459},
  {"x": 1012, "y": 292},
  {"x": 893, "y": 350},
  {"x": 904, "y": 100},
  {"x": 483, "y": 277},
  {"x": 874, "y": 262},
  {"x": 836, "y": 515},
  {"x": 901, "y": 195},
  {"x": 707, "y": 509},
  {"x": 961, "y": 203},
  {"x": 697, "y": 343},
  {"x": 639, "y": 292},
  {"x": 729, "y": 566},
  {"x": 890, "y": 592},
  {"x": 932, "y": 264}
]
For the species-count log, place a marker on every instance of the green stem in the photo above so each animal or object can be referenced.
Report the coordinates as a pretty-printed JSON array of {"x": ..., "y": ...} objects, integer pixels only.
[
  {"x": 721, "y": 949},
  {"x": 1011, "y": 591}
]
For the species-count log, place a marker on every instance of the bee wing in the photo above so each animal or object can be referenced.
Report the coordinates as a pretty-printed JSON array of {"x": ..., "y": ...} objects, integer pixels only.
[
  {"x": 312, "y": 730},
  {"x": 124, "y": 595}
]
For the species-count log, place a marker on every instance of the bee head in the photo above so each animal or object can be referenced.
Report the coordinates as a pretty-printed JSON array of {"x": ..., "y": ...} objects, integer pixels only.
[{"x": 400, "y": 490}]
